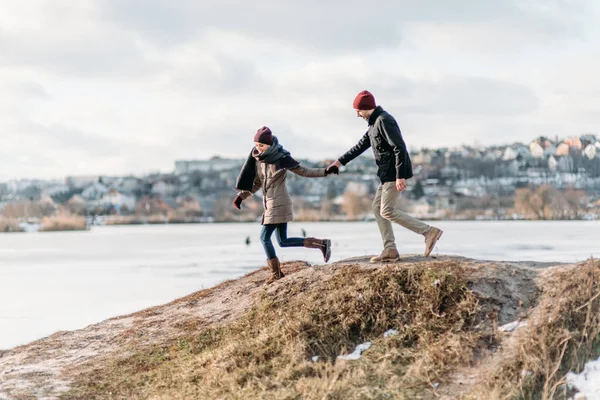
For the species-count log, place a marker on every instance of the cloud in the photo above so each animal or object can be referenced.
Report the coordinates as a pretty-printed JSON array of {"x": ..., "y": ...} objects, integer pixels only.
[{"x": 121, "y": 86}]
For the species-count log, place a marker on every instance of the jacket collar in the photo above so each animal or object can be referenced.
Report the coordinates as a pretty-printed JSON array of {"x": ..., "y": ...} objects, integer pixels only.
[{"x": 376, "y": 113}]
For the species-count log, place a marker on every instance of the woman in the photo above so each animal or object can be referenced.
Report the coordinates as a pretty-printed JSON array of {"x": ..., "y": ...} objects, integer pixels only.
[{"x": 266, "y": 168}]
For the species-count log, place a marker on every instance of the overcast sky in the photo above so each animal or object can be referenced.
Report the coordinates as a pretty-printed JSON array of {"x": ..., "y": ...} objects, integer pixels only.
[{"x": 128, "y": 86}]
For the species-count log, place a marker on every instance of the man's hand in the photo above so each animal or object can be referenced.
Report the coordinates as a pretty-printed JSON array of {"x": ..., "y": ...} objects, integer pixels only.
[
  {"x": 237, "y": 202},
  {"x": 400, "y": 184},
  {"x": 336, "y": 164}
]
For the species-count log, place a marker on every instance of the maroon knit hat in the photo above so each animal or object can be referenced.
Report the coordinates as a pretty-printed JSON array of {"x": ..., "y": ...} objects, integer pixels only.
[
  {"x": 364, "y": 101},
  {"x": 264, "y": 136}
]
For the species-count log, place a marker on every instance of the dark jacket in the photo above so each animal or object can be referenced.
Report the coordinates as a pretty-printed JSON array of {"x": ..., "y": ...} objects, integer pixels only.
[{"x": 390, "y": 152}]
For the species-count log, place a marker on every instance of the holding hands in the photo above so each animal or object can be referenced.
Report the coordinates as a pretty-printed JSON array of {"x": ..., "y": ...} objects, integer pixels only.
[{"x": 333, "y": 168}]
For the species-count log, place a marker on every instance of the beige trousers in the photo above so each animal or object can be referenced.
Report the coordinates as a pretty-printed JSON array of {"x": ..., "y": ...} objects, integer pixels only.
[{"x": 384, "y": 207}]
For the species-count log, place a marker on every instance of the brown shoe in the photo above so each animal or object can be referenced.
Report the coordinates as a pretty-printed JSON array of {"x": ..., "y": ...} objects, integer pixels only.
[
  {"x": 432, "y": 235},
  {"x": 323, "y": 244},
  {"x": 388, "y": 255},
  {"x": 276, "y": 272}
]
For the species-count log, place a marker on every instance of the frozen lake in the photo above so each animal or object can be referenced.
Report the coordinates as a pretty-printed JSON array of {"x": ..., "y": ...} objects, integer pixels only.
[{"x": 68, "y": 280}]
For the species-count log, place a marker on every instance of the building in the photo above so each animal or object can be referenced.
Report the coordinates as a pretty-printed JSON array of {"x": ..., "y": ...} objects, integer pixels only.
[{"x": 214, "y": 164}]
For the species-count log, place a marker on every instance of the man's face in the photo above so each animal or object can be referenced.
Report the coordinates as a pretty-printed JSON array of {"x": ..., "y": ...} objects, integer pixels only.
[{"x": 364, "y": 114}]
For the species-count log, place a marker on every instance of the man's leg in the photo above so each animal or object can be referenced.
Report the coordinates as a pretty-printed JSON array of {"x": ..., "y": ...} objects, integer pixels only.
[
  {"x": 384, "y": 225},
  {"x": 385, "y": 229},
  {"x": 389, "y": 197}
]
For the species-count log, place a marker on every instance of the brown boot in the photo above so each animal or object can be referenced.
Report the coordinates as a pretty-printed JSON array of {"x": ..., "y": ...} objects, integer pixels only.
[
  {"x": 432, "y": 235},
  {"x": 276, "y": 272},
  {"x": 388, "y": 255},
  {"x": 323, "y": 244}
]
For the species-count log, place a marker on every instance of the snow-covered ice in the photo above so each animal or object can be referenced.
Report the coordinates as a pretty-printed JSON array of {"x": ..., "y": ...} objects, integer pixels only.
[
  {"x": 512, "y": 326},
  {"x": 587, "y": 382},
  {"x": 355, "y": 355},
  {"x": 390, "y": 332}
]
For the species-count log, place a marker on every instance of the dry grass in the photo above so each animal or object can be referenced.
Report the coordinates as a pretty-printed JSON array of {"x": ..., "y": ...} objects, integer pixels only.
[
  {"x": 562, "y": 335},
  {"x": 63, "y": 222},
  {"x": 9, "y": 225},
  {"x": 267, "y": 353},
  {"x": 443, "y": 327},
  {"x": 122, "y": 220},
  {"x": 172, "y": 217}
]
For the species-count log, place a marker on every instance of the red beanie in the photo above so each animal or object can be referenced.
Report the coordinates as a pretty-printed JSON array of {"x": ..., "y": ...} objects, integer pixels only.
[
  {"x": 264, "y": 136},
  {"x": 364, "y": 101}
]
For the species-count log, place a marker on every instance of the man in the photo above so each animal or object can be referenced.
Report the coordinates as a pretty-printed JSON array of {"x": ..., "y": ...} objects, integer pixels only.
[{"x": 394, "y": 168}]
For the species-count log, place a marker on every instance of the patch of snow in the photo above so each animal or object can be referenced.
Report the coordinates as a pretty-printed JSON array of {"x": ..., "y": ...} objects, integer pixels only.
[
  {"x": 512, "y": 326},
  {"x": 30, "y": 226},
  {"x": 355, "y": 355},
  {"x": 315, "y": 358},
  {"x": 587, "y": 382},
  {"x": 390, "y": 332}
]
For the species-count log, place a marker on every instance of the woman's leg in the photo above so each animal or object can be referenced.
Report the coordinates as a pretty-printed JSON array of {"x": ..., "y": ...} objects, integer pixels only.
[
  {"x": 265, "y": 239},
  {"x": 284, "y": 241}
]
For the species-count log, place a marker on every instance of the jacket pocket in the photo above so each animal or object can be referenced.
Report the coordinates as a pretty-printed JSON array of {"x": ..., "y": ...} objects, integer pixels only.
[{"x": 385, "y": 163}]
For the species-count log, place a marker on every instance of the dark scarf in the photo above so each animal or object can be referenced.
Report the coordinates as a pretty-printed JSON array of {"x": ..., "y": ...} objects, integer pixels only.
[{"x": 276, "y": 155}]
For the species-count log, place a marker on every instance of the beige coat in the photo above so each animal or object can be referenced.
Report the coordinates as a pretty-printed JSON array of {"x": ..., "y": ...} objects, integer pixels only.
[{"x": 276, "y": 199}]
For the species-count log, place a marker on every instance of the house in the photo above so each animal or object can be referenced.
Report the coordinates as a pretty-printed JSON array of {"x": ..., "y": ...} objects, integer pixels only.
[
  {"x": 565, "y": 164},
  {"x": 189, "y": 203},
  {"x": 127, "y": 184},
  {"x": 536, "y": 150},
  {"x": 552, "y": 163},
  {"x": 79, "y": 182},
  {"x": 574, "y": 142},
  {"x": 590, "y": 151},
  {"x": 119, "y": 200},
  {"x": 148, "y": 205},
  {"x": 167, "y": 186},
  {"x": 562, "y": 149},
  {"x": 214, "y": 164},
  {"x": 550, "y": 150},
  {"x": 55, "y": 190},
  {"x": 587, "y": 139},
  {"x": 509, "y": 154},
  {"x": 94, "y": 191}
]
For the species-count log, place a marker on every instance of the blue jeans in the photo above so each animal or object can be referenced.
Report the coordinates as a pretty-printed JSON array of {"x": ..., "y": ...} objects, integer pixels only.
[{"x": 282, "y": 239}]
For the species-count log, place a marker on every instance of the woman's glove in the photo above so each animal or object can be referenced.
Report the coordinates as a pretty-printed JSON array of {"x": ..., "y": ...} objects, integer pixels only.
[
  {"x": 332, "y": 169},
  {"x": 237, "y": 202}
]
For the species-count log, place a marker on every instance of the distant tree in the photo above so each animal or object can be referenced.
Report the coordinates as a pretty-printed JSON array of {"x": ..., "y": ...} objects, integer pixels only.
[
  {"x": 32, "y": 192},
  {"x": 222, "y": 209},
  {"x": 535, "y": 205},
  {"x": 418, "y": 190},
  {"x": 355, "y": 205},
  {"x": 575, "y": 202}
]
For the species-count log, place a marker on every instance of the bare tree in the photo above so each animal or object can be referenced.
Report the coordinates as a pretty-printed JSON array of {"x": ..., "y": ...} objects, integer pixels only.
[
  {"x": 355, "y": 205},
  {"x": 535, "y": 205}
]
